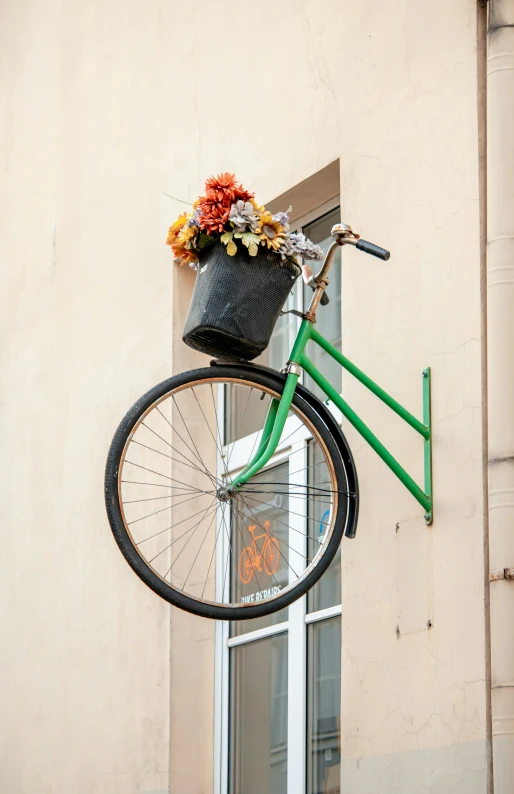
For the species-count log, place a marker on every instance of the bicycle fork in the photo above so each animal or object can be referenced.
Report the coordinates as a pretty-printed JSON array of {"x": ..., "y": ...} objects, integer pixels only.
[{"x": 272, "y": 431}]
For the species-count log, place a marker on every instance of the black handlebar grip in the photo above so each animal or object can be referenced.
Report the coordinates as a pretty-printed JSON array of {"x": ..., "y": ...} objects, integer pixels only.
[
  {"x": 374, "y": 250},
  {"x": 324, "y": 299}
]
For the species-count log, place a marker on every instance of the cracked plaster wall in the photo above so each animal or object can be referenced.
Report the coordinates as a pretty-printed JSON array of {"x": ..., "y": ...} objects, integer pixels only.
[{"x": 106, "y": 107}]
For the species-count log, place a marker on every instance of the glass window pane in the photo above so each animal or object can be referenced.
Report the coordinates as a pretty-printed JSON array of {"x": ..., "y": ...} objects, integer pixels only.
[
  {"x": 245, "y": 412},
  {"x": 324, "y": 707},
  {"x": 242, "y": 419},
  {"x": 258, "y": 717},
  {"x": 260, "y": 543},
  {"x": 283, "y": 335},
  {"x": 327, "y": 592},
  {"x": 328, "y": 321}
]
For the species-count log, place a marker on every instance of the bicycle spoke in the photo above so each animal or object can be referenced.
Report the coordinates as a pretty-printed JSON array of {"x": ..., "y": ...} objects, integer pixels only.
[
  {"x": 289, "y": 547},
  {"x": 239, "y": 428},
  {"x": 199, "y": 550},
  {"x": 185, "y": 533},
  {"x": 207, "y": 512},
  {"x": 293, "y": 485},
  {"x": 230, "y": 556},
  {"x": 250, "y": 457},
  {"x": 167, "y": 442},
  {"x": 172, "y": 526},
  {"x": 172, "y": 479},
  {"x": 181, "y": 536},
  {"x": 177, "y": 451},
  {"x": 296, "y": 485},
  {"x": 151, "y": 499},
  {"x": 174, "y": 460},
  {"x": 161, "y": 485},
  {"x": 292, "y": 529},
  {"x": 162, "y": 510},
  {"x": 305, "y": 468},
  {"x": 192, "y": 529},
  {"x": 301, "y": 515},
  {"x": 295, "y": 493},
  {"x": 214, "y": 549},
  {"x": 155, "y": 498},
  {"x": 207, "y": 423},
  {"x": 216, "y": 424},
  {"x": 197, "y": 455},
  {"x": 145, "y": 468}
]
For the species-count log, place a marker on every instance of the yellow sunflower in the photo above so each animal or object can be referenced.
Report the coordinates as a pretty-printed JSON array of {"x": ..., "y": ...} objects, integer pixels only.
[
  {"x": 176, "y": 228},
  {"x": 187, "y": 233},
  {"x": 270, "y": 231},
  {"x": 179, "y": 238}
]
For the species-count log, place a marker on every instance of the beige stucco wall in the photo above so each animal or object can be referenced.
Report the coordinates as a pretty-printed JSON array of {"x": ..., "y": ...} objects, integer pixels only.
[
  {"x": 392, "y": 93},
  {"x": 106, "y": 108},
  {"x": 86, "y": 328}
]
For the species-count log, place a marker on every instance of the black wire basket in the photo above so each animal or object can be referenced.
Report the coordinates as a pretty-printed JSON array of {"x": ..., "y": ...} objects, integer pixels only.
[{"x": 237, "y": 301}]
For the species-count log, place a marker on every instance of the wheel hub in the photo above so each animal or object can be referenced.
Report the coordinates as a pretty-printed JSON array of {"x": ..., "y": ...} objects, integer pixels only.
[{"x": 223, "y": 495}]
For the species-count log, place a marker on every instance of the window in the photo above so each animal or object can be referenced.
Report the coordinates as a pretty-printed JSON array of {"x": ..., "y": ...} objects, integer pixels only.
[
  {"x": 329, "y": 318},
  {"x": 323, "y": 706},
  {"x": 278, "y": 686},
  {"x": 258, "y": 724}
]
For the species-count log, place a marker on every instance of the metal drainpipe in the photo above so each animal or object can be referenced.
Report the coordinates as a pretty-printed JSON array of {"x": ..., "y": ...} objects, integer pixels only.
[{"x": 500, "y": 376}]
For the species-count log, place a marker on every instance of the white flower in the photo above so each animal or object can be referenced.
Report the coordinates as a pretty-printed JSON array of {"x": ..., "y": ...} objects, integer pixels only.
[
  {"x": 300, "y": 245},
  {"x": 242, "y": 216}
]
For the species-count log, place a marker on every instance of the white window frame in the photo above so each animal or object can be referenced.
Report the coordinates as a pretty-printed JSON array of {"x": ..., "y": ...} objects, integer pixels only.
[
  {"x": 298, "y": 302},
  {"x": 299, "y": 619}
]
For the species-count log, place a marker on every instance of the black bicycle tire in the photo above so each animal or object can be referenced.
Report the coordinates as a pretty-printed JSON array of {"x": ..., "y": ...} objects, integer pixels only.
[{"x": 345, "y": 477}]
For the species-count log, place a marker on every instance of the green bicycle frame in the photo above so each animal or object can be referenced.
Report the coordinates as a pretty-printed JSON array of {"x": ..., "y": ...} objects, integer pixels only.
[{"x": 279, "y": 409}]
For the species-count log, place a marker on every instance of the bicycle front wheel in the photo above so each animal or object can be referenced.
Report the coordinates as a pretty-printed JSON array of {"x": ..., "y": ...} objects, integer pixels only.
[{"x": 185, "y": 535}]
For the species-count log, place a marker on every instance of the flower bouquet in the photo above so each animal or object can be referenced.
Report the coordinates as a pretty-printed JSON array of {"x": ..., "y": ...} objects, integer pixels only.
[
  {"x": 246, "y": 260},
  {"x": 230, "y": 213}
]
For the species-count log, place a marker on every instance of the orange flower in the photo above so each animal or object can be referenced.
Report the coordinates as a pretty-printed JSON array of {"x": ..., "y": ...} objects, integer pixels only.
[
  {"x": 221, "y": 192},
  {"x": 182, "y": 252},
  {"x": 225, "y": 188},
  {"x": 213, "y": 214},
  {"x": 186, "y": 256}
]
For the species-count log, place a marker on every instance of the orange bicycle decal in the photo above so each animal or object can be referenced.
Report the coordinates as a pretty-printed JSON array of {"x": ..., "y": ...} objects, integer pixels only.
[{"x": 252, "y": 559}]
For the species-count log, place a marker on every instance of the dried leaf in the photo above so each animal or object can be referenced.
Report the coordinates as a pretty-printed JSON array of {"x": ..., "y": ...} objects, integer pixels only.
[
  {"x": 202, "y": 240},
  {"x": 249, "y": 237}
]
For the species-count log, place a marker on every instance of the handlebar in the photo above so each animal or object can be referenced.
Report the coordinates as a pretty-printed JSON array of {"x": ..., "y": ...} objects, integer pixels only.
[
  {"x": 343, "y": 235},
  {"x": 374, "y": 250}
]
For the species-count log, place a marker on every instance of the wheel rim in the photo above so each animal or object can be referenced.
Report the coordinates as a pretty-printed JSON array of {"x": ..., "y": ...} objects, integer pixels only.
[{"x": 172, "y": 480}]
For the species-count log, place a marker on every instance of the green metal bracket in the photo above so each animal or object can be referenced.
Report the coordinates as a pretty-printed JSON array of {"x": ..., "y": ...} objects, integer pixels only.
[
  {"x": 423, "y": 495},
  {"x": 278, "y": 412},
  {"x": 427, "y": 421}
]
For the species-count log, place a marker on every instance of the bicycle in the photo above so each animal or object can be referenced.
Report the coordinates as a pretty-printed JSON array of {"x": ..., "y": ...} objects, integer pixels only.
[
  {"x": 286, "y": 459},
  {"x": 252, "y": 559}
]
